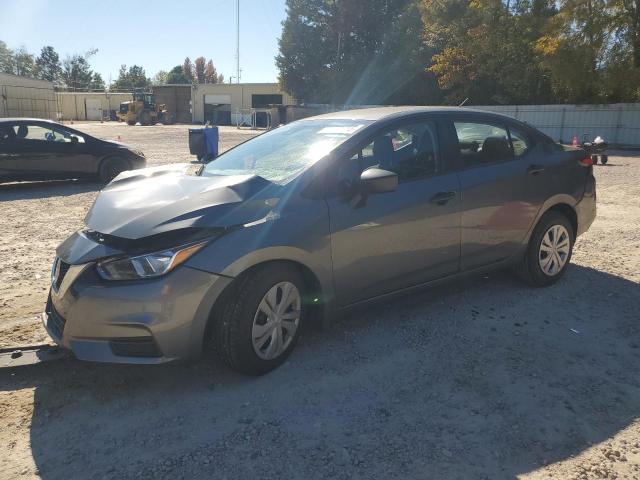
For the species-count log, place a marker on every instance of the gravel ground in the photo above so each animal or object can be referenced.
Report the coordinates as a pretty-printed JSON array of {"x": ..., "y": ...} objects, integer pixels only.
[{"x": 486, "y": 378}]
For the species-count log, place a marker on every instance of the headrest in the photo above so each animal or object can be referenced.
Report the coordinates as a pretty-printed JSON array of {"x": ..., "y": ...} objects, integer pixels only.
[
  {"x": 496, "y": 148},
  {"x": 22, "y": 131}
]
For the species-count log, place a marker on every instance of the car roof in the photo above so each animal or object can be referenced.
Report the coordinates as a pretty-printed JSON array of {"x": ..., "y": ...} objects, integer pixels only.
[
  {"x": 380, "y": 113},
  {"x": 27, "y": 120}
]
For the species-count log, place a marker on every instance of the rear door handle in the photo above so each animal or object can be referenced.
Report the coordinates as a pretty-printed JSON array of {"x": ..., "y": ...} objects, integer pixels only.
[
  {"x": 535, "y": 169},
  {"x": 442, "y": 198}
]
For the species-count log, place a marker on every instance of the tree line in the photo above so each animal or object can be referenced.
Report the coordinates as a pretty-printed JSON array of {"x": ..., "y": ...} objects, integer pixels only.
[
  {"x": 199, "y": 71},
  {"x": 74, "y": 72},
  {"x": 446, "y": 51}
]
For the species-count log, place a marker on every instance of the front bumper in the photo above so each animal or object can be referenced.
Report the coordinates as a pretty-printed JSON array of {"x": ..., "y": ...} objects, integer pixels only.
[{"x": 140, "y": 322}]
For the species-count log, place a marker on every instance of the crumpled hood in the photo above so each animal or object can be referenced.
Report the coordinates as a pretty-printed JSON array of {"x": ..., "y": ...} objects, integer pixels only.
[{"x": 140, "y": 203}]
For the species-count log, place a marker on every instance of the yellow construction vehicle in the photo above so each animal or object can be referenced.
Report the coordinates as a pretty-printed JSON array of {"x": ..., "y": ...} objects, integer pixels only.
[{"x": 143, "y": 109}]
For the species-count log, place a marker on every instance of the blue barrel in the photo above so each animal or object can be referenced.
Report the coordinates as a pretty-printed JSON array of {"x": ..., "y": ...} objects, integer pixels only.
[
  {"x": 211, "y": 137},
  {"x": 197, "y": 143}
]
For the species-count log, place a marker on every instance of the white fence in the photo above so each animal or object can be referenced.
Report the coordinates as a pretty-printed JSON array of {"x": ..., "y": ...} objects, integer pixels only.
[
  {"x": 618, "y": 124},
  {"x": 26, "y": 97}
]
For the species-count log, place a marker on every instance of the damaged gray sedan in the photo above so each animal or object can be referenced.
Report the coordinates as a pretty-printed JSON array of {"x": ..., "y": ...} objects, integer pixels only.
[{"x": 308, "y": 220}]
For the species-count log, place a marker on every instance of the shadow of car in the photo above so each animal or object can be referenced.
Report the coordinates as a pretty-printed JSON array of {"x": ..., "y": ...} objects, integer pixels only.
[{"x": 484, "y": 379}]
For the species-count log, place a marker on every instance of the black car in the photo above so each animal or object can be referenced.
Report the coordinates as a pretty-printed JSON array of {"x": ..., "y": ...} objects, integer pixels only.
[{"x": 35, "y": 149}]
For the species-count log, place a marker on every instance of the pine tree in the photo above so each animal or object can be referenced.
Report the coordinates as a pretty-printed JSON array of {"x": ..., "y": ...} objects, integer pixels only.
[
  {"x": 210, "y": 74},
  {"x": 200, "y": 69},
  {"x": 48, "y": 64}
]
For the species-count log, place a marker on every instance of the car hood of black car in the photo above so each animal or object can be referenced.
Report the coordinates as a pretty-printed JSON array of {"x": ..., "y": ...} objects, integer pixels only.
[
  {"x": 115, "y": 144},
  {"x": 150, "y": 201}
]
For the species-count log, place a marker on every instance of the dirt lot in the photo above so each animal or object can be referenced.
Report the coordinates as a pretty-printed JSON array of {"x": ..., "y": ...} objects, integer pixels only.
[{"x": 482, "y": 379}]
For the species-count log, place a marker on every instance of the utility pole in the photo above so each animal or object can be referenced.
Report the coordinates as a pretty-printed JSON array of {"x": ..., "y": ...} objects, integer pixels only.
[{"x": 238, "y": 41}]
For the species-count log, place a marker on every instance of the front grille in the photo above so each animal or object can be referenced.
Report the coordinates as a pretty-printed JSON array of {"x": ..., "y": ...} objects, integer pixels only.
[
  {"x": 55, "y": 322},
  {"x": 135, "y": 347}
]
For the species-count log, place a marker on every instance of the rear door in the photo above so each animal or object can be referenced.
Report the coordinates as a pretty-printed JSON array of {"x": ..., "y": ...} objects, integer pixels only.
[
  {"x": 498, "y": 204},
  {"x": 389, "y": 241}
]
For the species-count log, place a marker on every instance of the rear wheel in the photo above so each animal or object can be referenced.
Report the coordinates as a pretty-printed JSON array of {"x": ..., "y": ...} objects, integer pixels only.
[
  {"x": 259, "y": 320},
  {"x": 549, "y": 250},
  {"x": 604, "y": 159},
  {"x": 111, "y": 168}
]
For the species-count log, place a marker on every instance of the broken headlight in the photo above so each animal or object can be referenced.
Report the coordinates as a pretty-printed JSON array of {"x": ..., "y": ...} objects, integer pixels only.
[{"x": 148, "y": 265}]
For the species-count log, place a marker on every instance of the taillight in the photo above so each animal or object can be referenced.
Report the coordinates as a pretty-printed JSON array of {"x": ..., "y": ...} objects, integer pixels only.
[{"x": 587, "y": 161}]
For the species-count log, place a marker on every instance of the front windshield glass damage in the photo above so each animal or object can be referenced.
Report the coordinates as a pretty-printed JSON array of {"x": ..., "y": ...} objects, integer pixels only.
[{"x": 282, "y": 154}]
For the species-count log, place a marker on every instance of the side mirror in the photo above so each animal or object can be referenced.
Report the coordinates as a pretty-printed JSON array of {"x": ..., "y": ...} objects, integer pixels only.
[
  {"x": 377, "y": 180},
  {"x": 74, "y": 139}
]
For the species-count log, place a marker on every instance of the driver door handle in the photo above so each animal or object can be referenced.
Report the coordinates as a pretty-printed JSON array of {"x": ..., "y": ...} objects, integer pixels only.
[
  {"x": 535, "y": 169},
  {"x": 441, "y": 198}
]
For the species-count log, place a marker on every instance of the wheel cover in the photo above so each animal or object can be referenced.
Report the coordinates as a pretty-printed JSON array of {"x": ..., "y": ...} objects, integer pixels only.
[
  {"x": 276, "y": 320},
  {"x": 554, "y": 250}
]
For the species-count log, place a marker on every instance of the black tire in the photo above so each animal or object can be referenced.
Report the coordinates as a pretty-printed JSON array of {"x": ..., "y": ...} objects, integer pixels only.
[
  {"x": 144, "y": 118},
  {"x": 529, "y": 268},
  {"x": 111, "y": 167},
  {"x": 131, "y": 122},
  {"x": 234, "y": 318},
  {"x": 594, "y": 159},
  {"x": 604, "y": 159}
]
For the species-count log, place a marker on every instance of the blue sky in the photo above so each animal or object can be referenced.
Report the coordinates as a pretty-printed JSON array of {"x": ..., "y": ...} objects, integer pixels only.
[{"x": 156, "y": 35}]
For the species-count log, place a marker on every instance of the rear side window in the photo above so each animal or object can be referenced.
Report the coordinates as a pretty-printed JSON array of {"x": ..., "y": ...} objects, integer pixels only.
[{"x": 482, "y": 143}]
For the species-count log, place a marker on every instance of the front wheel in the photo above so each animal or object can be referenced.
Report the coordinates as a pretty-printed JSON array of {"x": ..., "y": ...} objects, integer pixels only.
[
  {"x": 549, "y": 250},
  {"x": 111, "y": 168},
  {"x": 259, "y": 321}
]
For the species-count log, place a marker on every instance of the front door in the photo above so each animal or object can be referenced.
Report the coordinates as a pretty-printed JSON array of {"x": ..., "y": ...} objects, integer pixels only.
[
  {"x": 43, "y": 151},
  {"x": 389, "y": 241}
]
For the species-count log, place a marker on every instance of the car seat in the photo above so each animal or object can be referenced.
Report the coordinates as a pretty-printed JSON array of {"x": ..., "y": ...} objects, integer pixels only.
[
  {"x": 23, "y": 131},
  {"x": 383, "y": 152},
  {"x": 495, "y": 149},
  {"x": 427, "y": 152}
]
